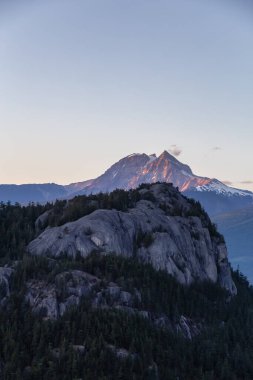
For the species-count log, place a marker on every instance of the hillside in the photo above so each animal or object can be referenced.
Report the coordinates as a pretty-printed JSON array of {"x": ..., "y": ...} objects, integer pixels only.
[
  {"x": 117, "y": 316},
  {"x": 167, "y": 331},
  {"x": 154, "y": 223}
]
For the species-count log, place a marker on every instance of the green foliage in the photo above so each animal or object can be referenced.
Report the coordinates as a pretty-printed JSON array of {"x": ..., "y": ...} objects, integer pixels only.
[
  {"x": 80, "y": 206},
  {"x": 214, "y": 232},
  {"x": 17, "y": 228},
  {"x": 121, "y": 200},
  {"x": 197, "y": 210}
]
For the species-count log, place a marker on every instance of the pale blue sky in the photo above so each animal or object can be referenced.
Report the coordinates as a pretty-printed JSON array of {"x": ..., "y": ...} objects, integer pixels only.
[{"x": 84, "y": 83}]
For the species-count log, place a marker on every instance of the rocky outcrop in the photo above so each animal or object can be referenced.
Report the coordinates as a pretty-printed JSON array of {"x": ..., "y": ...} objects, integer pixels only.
[
  {"x": 42, "y": 220},
  {"x": 5, "y": 277},
  {"x": 181, "y": 245},
  {"x": 184, "y": 326},
  {"x": 52, "y": 299},
  {"x": 121, "y": 353}
]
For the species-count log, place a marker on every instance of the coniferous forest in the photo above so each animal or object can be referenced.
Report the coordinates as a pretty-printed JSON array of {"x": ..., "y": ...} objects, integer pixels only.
[{"x": 109, "y": 343}]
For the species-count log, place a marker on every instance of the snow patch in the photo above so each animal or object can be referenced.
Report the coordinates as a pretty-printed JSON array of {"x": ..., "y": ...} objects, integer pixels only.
[
  {"x": 134, "y": 154},
  {"x": 220, "y": 188}
]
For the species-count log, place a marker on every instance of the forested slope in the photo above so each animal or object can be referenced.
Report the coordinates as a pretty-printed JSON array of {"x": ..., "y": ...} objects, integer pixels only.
[{"x": 159, "y": 329}]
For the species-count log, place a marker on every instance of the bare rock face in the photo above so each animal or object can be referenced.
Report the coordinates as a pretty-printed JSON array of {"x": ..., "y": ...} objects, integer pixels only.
[
  {"x": 181, "y": 245},
  {"x": 51, "y": 300},
  {"x": 5, "y": 276},
  {"x": 121, "y": 353},
  {"x": 135, "y": 169},
  {"x": 42, "y": 220},
  {"x": 184, "y": 326}
]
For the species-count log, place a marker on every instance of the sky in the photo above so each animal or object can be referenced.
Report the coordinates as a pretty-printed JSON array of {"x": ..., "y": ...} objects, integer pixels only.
[{"x": 85, "y": 83}]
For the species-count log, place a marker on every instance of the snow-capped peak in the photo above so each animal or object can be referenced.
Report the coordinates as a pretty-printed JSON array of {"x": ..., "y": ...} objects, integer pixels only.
[
  {"x": 220, "y": 188},
  {"x": 134, "y": 155}
]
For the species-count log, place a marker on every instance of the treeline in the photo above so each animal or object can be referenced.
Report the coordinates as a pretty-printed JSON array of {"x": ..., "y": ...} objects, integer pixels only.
[
  {"x": 17, "y": 228},
  {"x": 17, "y": 223},
  {"x": 67, "y": 211}
]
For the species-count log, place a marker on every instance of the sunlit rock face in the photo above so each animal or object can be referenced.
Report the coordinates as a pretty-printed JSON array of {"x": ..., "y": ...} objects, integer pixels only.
[
  {"x": 135, "y": 169},
  {"x": 129, "y": 173},
  {"x": 179, "y": 244},
  {"x": 52, "y": 300},
  {"x": 167, "y": 168}
]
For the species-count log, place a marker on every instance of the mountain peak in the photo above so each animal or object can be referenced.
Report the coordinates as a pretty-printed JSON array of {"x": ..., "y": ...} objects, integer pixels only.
[
  {"x": 137, "y": 168},
  {"x": 129, "y": 172},
  {"x": 166, "y": 155}
]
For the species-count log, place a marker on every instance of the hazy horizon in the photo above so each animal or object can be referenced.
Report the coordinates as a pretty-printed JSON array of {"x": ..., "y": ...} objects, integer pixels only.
[{"x": 84, "y": 84}]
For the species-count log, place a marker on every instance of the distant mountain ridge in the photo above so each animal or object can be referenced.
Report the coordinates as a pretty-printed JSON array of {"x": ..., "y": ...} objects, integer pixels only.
[
  {"x": 38, "y": 193},
  {"x": 130, "y": 172}
]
